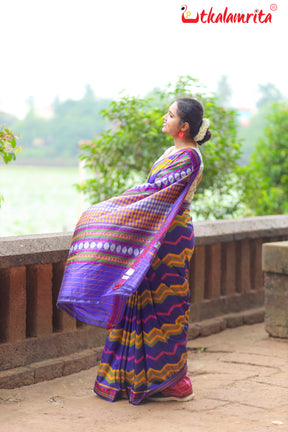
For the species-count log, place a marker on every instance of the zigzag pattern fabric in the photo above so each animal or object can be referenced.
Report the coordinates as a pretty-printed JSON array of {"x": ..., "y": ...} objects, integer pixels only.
[
  {"x": 116, "y": 241},
  {"x": 146, "y": 352}
]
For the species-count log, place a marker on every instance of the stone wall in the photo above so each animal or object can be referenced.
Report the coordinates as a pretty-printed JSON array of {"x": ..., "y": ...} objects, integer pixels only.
[{"x": 225, "y": 277}]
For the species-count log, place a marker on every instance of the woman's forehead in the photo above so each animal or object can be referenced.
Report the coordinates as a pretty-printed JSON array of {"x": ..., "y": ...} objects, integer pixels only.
[{"x": 173, "y": 108}]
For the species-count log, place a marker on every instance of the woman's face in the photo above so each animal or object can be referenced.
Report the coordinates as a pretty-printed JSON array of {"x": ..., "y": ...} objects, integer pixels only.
[{"x": 171, "y": 125}]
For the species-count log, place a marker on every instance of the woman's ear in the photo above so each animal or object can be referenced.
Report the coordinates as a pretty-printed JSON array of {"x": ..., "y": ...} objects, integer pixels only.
[{"x": 185, "y": 127}]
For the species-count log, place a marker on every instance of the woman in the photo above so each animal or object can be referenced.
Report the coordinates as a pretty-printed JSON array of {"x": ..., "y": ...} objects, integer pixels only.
[{"x": 127, "y": 270}]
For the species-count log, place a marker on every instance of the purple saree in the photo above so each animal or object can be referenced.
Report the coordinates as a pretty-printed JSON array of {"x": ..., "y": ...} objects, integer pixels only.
[{"x": 127, "y": 271}]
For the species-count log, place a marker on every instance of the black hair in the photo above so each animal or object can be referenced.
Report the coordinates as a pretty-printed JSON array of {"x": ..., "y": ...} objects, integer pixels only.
[{"x": 191, "y": 111}]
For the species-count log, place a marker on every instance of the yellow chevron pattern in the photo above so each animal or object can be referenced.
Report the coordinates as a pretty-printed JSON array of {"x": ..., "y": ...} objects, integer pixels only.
[
  {"x": 180, "y": 220},
  {"x": 159, "y": 295},
  {"x": 156, "y": 335},
  {"x": 178, "y": 260},
  {"x": 121, "y": 375}
]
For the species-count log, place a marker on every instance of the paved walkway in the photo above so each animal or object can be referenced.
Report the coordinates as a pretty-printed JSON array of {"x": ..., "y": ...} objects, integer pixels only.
[{"x": 240, "y": 377}]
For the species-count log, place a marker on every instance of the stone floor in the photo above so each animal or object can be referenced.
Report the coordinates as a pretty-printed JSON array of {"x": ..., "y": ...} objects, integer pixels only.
[{"x": 240, "y": 378}]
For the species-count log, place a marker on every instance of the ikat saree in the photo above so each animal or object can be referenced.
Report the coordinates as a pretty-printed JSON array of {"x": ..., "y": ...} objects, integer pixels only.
[
  {"x": 146, "y": 352},
  {"x": 116, "y": 241}
]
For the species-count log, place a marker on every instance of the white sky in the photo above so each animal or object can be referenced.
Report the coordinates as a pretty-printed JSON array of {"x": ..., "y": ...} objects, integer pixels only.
[{"x": 54, "y": 48}]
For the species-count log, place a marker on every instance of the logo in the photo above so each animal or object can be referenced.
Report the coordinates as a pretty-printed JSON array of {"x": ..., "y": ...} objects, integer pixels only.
[{"x": 205, "y": 17}]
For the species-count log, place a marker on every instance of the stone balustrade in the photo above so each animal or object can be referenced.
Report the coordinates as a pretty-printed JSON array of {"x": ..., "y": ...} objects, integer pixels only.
[{"x": 225, "y": 276}]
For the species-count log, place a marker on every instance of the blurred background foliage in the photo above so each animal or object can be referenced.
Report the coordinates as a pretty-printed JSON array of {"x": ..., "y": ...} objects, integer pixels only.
[
  {"x": 51, "y": 137},
  {"x": 246, "y": 171},
  {"x": 125, "y": 152},
  {"x": 265, "y": 188}
]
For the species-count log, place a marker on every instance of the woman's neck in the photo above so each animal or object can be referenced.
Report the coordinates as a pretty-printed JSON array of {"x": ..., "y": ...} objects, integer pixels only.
[{"x": 180, "y": 144}]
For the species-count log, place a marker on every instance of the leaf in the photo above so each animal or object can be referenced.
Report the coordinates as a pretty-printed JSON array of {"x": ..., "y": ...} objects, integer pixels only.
[{"x": 138, "y": 141}]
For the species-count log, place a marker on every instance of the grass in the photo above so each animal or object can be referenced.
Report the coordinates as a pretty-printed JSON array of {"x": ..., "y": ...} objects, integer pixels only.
[{"x": 38, "y": 200}]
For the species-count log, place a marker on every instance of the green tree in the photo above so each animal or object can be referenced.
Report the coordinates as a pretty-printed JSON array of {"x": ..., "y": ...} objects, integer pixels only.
[
  {"x": 252, "y": 132},
  {"x": 266, "y": 178},
  {"x": 55, "y": 139},
  {"x": 125, "y": 152},
  {"x": 34, "y": 131},
  {"x": 74, "y": 121},
  {"x": 269, "y": 94},
  {"x": 224, "y": 91},
  {"x": 8, "y": 147}
]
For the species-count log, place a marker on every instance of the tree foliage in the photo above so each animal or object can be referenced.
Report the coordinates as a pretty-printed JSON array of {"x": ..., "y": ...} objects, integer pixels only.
[
  {"x": 266, "y": 178},
  {"x": 251, "y": 133},
  {"x": 55, "y": 139},
  {"x": 224, "y": 91},
  {"x": 125, "y": 152},
  {"x": 8, "y": 143},
  {"x": 8, "y": 147},
  {"x": 269, "y": 94}
]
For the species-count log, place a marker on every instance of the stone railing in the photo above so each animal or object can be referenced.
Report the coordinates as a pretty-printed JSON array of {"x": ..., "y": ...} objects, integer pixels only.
[{"x": 225, "y": 277}]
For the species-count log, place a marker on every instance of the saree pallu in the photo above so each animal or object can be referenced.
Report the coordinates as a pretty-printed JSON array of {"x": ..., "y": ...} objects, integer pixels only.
[
  {"x": 116, "y": 241},
  {"x": 146, "y": 352}
]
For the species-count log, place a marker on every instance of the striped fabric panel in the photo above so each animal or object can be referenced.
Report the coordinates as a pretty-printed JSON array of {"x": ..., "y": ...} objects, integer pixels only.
[{"x": 115, "y": 241}]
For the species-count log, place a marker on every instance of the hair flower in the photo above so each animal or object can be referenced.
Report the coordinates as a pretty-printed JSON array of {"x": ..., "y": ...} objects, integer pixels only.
[{"x": 203, "y": 129}]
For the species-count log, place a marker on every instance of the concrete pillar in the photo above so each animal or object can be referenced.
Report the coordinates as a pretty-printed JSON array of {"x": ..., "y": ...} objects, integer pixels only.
[
  {"x": 39, "y": 300},
  {"x": 275, "y": 266},
  {"x": 12, "y": 304},
  {"x": 243, "y": 274},
  {"x": 228, "y": 280},
  {"x": 213, "y": 273},
  {"x": 257, "y": 278},
  {"x": 197, "y": 275},
  {"x": 61, "y": 320}
]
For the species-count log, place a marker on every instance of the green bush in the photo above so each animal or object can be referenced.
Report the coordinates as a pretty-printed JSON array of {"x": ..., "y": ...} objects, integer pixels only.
[
  {"x": 266, "y": 178},
  {"x": 123, "y": 154},
  {"x": 8, "y": 147}
]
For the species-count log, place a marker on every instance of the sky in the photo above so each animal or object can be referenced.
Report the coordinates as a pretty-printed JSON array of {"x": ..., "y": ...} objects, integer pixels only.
[{"x": 54, "y": 48}]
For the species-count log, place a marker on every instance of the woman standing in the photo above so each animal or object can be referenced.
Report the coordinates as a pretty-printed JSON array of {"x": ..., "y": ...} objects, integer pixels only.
[{"x": 127, "y": 270}]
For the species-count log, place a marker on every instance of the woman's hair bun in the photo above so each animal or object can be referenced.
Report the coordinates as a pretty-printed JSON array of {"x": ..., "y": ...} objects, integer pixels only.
[
  {"x": 207, "y": 137},
  {"x": 191, "y": 111}
]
